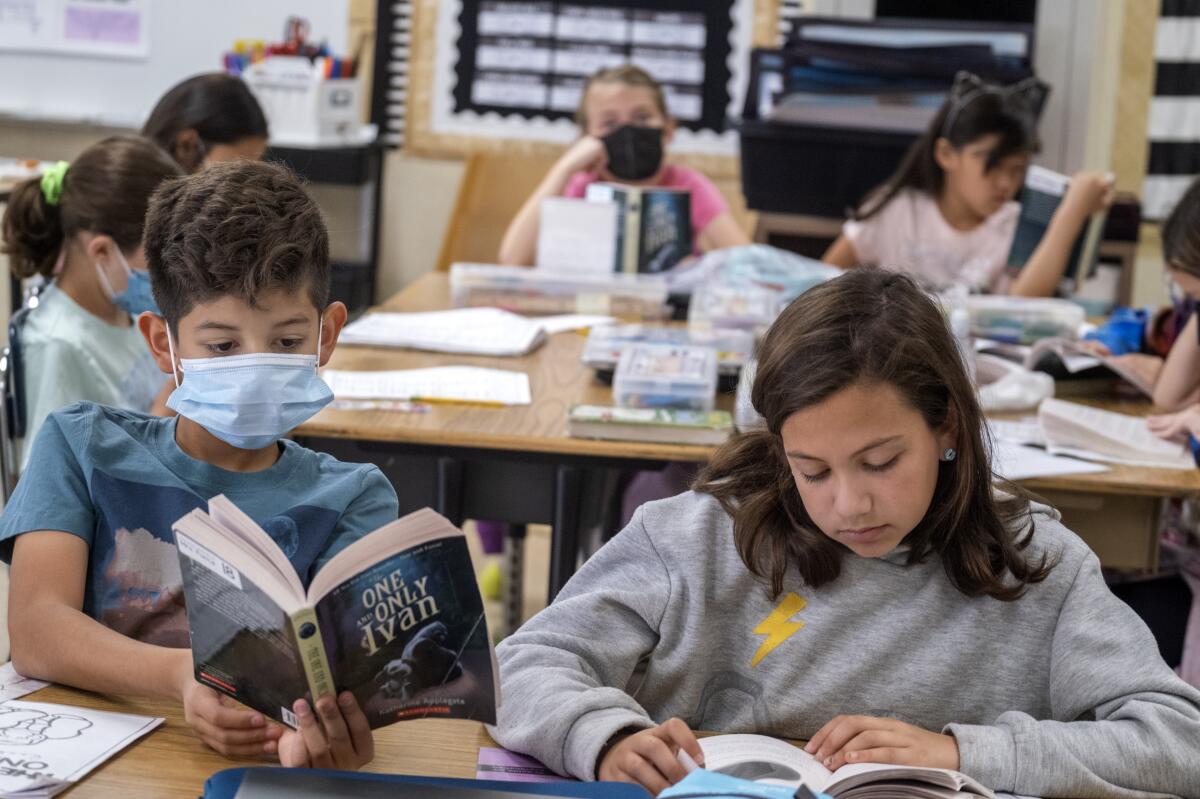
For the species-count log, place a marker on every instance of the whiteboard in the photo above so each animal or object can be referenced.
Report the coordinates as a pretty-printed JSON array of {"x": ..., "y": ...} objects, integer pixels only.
[{"x": 185, "y": 37}]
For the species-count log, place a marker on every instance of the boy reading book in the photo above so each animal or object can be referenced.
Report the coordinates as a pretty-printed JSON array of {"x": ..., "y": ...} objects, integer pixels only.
[{"x": 239, "y": 261}]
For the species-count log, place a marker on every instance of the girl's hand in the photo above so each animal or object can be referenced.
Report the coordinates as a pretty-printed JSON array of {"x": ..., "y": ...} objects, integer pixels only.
[
  {"x": 1089, "y": 192},
  {"x": 866, "y": 739},
  {"x": 336, "y": 736},
  {"x": 1176, "y": 426},
  {"x": 648, "y": 758},
  {"x": 586, "y": 155}
]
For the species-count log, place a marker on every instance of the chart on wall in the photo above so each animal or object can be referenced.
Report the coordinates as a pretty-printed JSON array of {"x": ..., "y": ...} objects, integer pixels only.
[
  {"x": 118, "y": 28},
  {"x": 518, "y": 67}
]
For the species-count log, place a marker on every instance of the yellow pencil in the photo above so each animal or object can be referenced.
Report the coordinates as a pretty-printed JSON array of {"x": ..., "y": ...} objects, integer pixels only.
[{"x": 448, "y": 401}]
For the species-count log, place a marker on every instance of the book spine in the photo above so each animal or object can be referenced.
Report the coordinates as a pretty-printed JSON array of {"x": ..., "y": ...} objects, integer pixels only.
[
  {"x": 312, "y": 652},
  {"x": 632, "y": 257}
]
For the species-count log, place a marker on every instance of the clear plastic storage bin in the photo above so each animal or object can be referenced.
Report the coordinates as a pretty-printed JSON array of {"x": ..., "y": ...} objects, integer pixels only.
[
  {"x": 666, "y": 376},
  {"x": 1023, "y": 320},
  {"x": 543, "y": 291},
  {"x": 606, "y": 343}
]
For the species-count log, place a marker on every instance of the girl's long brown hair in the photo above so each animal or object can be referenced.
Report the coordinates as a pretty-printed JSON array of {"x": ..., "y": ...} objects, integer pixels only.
[{"x": 878, "y": 327}]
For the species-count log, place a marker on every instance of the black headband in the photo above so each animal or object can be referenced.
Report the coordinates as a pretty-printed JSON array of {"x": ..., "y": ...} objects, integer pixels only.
[{"x": 1026, "y": 96}]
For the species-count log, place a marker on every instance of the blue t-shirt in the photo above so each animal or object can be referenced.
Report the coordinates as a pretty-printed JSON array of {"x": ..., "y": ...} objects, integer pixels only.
[{"x": 118, "y": 480}]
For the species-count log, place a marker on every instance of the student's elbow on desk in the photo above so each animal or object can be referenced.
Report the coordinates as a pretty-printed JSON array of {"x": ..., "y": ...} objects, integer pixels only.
[{"x": 49, "y": 569}]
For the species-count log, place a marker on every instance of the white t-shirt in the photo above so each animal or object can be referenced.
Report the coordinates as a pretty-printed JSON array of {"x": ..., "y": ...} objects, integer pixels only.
[{"x": 910, "y": 235}]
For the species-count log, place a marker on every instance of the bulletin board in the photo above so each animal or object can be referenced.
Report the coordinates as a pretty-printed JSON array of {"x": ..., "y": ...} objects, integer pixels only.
[{"x": 503, "y": 74}]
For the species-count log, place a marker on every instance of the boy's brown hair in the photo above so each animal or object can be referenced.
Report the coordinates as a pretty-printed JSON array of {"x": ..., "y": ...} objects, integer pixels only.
[
  {"x": 239, "y": 228},
  {"x": 626, "y": 75},
  {"x": 874, "y": 326}
]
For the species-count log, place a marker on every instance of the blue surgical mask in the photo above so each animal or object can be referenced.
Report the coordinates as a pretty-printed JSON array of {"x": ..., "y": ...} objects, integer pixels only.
[
  {"x": 249, "y": 401},
  {"x": 137, "y": 297}
]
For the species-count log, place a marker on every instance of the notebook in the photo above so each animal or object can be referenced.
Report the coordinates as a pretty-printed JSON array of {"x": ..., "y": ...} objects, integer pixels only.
[{"x": 465, "y": 331}]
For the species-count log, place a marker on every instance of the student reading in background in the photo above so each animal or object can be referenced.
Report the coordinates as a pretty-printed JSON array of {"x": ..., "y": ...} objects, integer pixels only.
[
  {"x": 947, "y": 215},
  {"x": 848, "y": 575},
  {"x": 625, "y": 132},
  {"x": 239, "y": 257},
  {"x": 80, "y": 225},
  {"x": 207, "y": 119}
]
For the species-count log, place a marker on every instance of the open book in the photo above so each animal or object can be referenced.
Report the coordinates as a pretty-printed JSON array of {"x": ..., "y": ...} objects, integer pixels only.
[
  {"x": 1070, "y": 428},
  {"x": 395, "y": 618},
  {"x": 1065, "y": 359},
  {"x": 763, "y": 759}
]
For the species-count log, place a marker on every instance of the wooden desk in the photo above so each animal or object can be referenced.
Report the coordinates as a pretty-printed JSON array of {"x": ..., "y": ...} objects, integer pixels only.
[
  {"x": 519, "y": 464},
  {"x": 171, "y": 761},
  {"x": 514, "y": 465}
]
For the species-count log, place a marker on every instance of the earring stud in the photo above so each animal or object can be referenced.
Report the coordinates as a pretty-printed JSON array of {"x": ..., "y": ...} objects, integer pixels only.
[{"x": 949, "y": 454}]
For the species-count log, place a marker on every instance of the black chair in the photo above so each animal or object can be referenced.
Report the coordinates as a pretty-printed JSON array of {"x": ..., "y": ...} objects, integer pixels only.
[{"x": 12, "y": 408}]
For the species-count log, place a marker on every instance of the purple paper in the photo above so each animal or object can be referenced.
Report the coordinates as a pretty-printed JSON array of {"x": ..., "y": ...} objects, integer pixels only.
[
  {"x": 506, "y": 766},
  {"x": 103, "y": 25}
]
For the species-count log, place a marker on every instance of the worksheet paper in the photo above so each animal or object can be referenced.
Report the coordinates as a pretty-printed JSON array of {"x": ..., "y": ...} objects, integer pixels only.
[
  {"x": 45, "y": 748},
  {"x": 465, "y": 331},
  {"x": 446, "y": 383},
  {"x": 14, "y": 686},
  {"x": 1018, "y": 462}
]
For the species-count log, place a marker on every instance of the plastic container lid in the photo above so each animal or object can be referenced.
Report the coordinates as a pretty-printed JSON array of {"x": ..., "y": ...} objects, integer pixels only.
[
  {"x": 1023, "y": 320},
  {"x": 727, "y": 307},
  {"x": 666, "y": 376},
  {"x": 606, "y": 343}
]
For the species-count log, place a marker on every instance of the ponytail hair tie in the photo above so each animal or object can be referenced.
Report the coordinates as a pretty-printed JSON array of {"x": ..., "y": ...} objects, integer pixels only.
[{"x": 52, "y": 182}]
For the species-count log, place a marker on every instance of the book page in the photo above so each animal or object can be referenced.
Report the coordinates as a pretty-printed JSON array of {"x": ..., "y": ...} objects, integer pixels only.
[
  {"x": 466, "y": 384},
  {"x": 232, "y": 518},
  {"x": 1018, "y": 462},
  {"x": 48, "y": 746},
  {"x": 759, "y": 757},
  {"x": 860, "y": 774},
  {"x": 467, "y": 331},
  {"x": 1108, "y": 436},
  {"x": 577, "y": 234},
  {"x": 408, "y": 637}
]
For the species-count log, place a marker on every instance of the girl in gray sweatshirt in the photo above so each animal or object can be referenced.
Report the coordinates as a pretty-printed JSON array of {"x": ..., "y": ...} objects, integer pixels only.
[{"x": 850, "y": 576}]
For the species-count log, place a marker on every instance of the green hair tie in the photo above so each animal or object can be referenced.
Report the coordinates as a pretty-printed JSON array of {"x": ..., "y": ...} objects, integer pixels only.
[{"x": 52, "y": 182}]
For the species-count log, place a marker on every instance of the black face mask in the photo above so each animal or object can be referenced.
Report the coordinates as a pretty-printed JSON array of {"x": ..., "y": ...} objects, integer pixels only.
[{"x": 634, "y": 152}]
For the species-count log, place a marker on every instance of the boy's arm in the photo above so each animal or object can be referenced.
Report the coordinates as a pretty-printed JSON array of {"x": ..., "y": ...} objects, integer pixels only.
[
  {"x": 519, "y": 245},
  {"x": 1121, "y": 722},
  {"x": 1180, "y": 375},
  {"x": 1087, "y": 193},
  {"x": 53, "y": 639}
]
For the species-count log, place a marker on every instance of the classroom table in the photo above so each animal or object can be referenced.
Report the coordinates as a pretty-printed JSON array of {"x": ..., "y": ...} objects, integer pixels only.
[
  {"x": 513, "y": 464},
  {"x": 519, "y": 465},
  {"x": 172, "y": 762}
]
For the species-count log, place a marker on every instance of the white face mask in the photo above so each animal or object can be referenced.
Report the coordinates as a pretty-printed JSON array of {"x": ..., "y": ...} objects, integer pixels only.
[{"x": 249, "y": 401}]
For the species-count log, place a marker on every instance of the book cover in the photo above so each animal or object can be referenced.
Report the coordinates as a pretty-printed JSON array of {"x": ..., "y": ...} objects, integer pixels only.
[
  {"x": 654, "y": 226},
  {"x": 395, "y": 618},
  {"x": 1039, "y": 198}
]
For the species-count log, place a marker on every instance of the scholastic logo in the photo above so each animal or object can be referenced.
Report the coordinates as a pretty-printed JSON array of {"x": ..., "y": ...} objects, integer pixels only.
[{"x": 778, "y": 626}]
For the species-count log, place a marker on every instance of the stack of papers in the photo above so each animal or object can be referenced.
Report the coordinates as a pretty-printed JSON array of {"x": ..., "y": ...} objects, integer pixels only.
[
  {"x": 465, "y": 384},
  {"x": 1019, "y": 462},
  {"x": 466, "y": 331},
  {"x": 46, "y": 748}
]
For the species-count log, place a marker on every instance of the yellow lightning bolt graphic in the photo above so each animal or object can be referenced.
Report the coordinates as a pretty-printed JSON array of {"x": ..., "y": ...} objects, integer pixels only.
[{"x": 778, "y": 627}]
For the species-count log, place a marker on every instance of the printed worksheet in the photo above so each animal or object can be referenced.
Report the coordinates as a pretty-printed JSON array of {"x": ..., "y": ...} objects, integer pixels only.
[
  {"x": 14, "y": 686},
  {"x": 44, "y": 748}
]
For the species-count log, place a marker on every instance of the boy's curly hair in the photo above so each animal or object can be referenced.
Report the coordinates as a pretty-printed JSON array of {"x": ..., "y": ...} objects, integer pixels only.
[{"x": 239, "y": 228}]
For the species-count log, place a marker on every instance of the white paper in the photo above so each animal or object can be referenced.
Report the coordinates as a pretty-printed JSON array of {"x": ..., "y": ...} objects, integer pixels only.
[
  {"x": 1025, "y": 431},
  {"x": 449, "y": 383},
  {"x": 14, "y": 686},
  {"x": 576, "y": 234},
  {"x": 467, "y": 331},
  {"x": 1018, "y": 462},
  {"x": 577, "y": 321},
  {"x": 46, "y": 747}
]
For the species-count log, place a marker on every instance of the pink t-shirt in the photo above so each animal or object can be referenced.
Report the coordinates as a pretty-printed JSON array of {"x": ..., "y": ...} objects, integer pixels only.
[
  {"x": 910, "y": 235},
  {"x": 707, "y": 203}
]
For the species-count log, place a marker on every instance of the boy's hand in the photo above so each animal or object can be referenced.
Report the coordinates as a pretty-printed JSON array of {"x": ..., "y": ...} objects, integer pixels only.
[
  {"x": 648, "y": 758},
  {"x": 336, "y": 736},
  {"x": 226, "y": 726},
  {"x": 867, "y": 739},
  {"x": 1089, "y": 192},
  {"x": 1176, "y": 426},
  {"x": 586, "y": 155}
]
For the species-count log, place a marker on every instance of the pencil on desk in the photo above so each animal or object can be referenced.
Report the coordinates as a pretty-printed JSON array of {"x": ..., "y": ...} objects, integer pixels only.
[{"x": 448, "y": 401}]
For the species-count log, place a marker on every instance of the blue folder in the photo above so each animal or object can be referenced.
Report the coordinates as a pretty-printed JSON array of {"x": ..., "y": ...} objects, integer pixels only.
[{"x": 266, "y": 783}]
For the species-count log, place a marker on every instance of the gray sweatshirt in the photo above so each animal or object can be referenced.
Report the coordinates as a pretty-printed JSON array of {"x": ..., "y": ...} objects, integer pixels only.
[{"x": 1060, "y": 693}]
